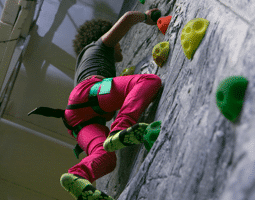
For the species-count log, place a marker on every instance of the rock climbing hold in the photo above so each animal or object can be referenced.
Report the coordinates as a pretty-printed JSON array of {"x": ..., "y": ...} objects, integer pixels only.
[
  {"x": 192, "y": 34},
  {"x": 151, "y": 134},
  {"x": 230, "y": 96},
  {"x": 128, "y": 71},
  {"x": 155, "y": 15},
  {"x": 160, "y": 53},
  {"x": 163, "y": 23},
  {"x": 142, "y": 1}
]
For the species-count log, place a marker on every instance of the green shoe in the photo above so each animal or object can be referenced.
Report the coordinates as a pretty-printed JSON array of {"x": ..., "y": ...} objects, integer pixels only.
[
  {"x": 81, "y": 189},
  {"x": 130, "y": 136}
]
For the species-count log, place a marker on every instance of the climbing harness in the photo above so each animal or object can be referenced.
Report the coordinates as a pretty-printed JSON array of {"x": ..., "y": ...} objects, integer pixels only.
[{"x": 92, "y": 102}]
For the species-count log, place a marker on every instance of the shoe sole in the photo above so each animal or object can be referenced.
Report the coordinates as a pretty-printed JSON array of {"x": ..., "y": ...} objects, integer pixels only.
[
  {"x": 128, "y": 137},
  {"x": 91, "y": 193},
  {"x": 88, "y": 192}
]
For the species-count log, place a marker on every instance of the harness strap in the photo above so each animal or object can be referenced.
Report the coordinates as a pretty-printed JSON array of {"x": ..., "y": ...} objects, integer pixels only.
[
  {"x": 96, "y": 120},
  {"x": 106, "y": 85},
  {"x": 48, "y": 112},
  {"x": 92, "y": 102}
]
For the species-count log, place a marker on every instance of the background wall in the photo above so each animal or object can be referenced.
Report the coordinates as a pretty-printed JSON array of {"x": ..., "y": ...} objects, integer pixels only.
[{"x": 35, "y": 151}]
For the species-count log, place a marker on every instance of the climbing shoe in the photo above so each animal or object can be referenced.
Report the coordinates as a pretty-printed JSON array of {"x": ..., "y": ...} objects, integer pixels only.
[
  {"x": 128, "y": 137},
  {"x": 81, "y": 189}
]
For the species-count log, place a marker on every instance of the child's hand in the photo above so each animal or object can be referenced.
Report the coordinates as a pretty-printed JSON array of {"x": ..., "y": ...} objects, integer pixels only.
[{"x": 149, "y": 21}]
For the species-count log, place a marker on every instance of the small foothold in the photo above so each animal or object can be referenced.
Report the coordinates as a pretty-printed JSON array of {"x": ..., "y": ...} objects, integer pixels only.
[
  {"x": 230, "y": 96},
  {"x": 128, "y": 71},
  {"x": 192, "y": 34},
  {"x": 142, "y": 1},
  {"x": 163, "y": 23},
  {"x": 160, "y": 53},
  {"x": 151, "y": 134}
]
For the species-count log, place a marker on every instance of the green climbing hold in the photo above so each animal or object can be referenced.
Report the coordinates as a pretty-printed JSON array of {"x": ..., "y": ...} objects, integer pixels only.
[
  {"x": 151, "y": 134},
  {"x": 230, "y": 96},
  {"x": 142, "y": 1},
  {"x": 128, "y": 71},
  {"x": 160, "y": 53},
  {"x": 192, "y": 35}
]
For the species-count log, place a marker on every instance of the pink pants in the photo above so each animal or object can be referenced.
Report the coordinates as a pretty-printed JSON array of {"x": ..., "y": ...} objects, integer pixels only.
[{"x": 131, "y": 95}]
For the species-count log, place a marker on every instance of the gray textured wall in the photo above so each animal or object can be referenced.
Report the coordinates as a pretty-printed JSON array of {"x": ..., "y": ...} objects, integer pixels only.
[
  {"x": 127, "y": 6},
  {"x": 199, "y": 154}
]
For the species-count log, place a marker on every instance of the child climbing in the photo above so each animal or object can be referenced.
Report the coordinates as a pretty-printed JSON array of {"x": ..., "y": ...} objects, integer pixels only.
[
  {"x": 97, "y": 95},
  {"x": 99, "y": 49}
]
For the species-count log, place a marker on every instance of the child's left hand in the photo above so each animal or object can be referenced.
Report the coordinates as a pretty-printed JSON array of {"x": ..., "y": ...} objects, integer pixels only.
[{"x": 149, "y": 21}]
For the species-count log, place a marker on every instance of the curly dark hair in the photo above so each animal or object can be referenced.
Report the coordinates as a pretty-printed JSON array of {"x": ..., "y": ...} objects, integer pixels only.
[{"x": 90, "y": 31}]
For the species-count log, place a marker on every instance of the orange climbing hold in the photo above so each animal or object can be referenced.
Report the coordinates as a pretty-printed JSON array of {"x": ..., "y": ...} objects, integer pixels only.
[{"x": 163, "y": 23}]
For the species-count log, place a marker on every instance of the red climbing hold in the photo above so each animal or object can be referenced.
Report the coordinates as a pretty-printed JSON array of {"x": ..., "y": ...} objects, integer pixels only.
[{"x": 163, "y": 23}]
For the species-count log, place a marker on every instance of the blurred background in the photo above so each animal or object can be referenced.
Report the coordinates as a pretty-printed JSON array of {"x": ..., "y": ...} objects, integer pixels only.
[{"x": 37, "y": 63}]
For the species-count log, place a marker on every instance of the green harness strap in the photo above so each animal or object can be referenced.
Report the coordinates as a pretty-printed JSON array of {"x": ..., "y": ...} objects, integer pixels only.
[{"x": 106, "y": 85}]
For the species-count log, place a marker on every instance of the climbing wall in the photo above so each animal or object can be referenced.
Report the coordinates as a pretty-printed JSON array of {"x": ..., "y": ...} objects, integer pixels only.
[{"x": 201, "y": 152}]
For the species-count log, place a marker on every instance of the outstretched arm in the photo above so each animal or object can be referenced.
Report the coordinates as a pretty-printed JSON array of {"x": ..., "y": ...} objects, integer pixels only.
[{"x": 122, "y": 26}]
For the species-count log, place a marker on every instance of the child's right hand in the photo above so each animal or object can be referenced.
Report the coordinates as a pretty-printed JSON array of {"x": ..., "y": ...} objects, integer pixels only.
[{"x": 149, "y": 21}]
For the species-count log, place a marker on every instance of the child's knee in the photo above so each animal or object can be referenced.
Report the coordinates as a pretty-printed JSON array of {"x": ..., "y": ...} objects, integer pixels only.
[
  {"x": 154, "y": 79},
  {"x": 158, "y": 80}
]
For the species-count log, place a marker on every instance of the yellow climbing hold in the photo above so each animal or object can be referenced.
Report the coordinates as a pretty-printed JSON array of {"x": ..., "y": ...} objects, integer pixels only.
[
  {"x": 192, "y": 35},
  {"x": 128, "y": 71},
  {"x": 160, "y": 53}
]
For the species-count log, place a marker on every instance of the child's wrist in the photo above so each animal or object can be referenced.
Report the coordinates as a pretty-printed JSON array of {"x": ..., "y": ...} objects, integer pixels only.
[{"x": 137, "y": 17}]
